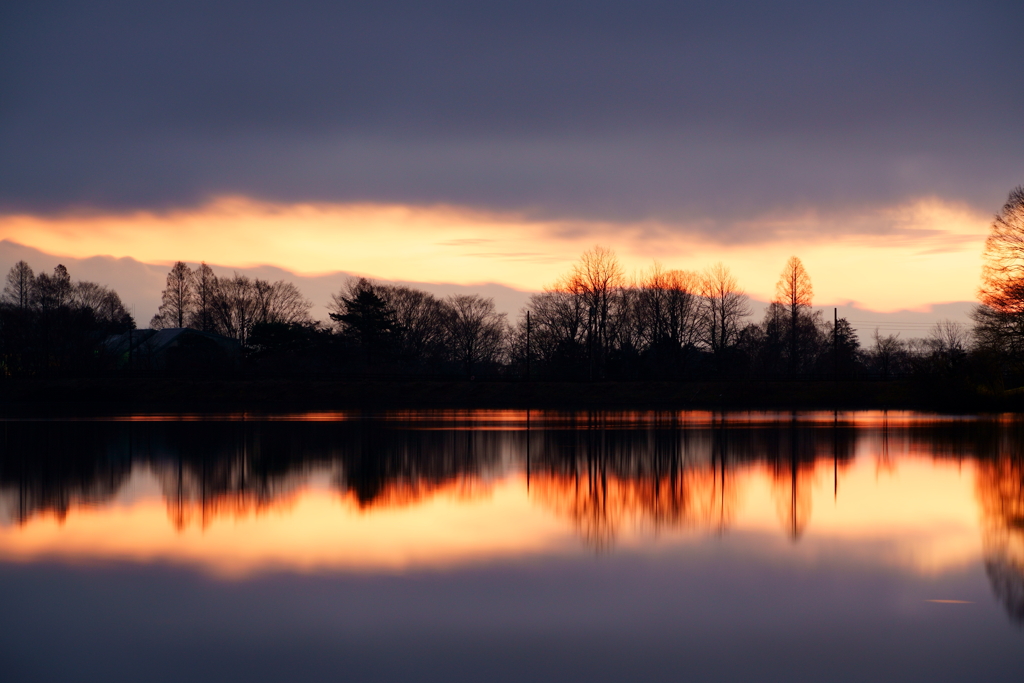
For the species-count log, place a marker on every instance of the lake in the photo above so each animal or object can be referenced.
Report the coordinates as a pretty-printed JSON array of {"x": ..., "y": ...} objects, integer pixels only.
[{"x": 513, "y": 545}]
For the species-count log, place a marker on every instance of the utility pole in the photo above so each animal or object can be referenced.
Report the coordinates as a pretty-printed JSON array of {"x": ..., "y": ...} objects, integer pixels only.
[
  {"x": 835, "y": 455},
  {"x": 835, "y": 342},
  {"x": 527, "y": 451},
  {"x": 527, "y": 345},
  {"x": 130, "y": 336},
  {"x": 591, "y": 325}
]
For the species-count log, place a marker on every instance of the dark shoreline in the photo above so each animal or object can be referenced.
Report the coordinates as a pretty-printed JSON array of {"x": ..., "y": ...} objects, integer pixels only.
[{"x": 43, "y": 397}]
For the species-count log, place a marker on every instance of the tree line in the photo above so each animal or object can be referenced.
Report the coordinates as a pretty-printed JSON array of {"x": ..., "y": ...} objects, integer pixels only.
[
  {"x": 229, "y": 306},
  {"x": 50, "y": 324},
  {"x": 595, "y": 322}
]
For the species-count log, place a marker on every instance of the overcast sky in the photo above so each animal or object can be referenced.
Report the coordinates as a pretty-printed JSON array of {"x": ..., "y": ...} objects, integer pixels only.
[
  {"x": 733, "y": 123},
  {"x": 585, "y": 109}
]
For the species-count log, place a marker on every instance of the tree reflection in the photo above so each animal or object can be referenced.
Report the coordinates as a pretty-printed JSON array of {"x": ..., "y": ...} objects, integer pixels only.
[
  {"x": 51, "y": 471},
  {"x": 211, "y": 470},
  {"x": 605, "y": 477},
  {"x": 384, "y": 467},
  {"x": 1000, "y": 487},
  {"x": 796, "y": 454},
  {"x": 605, "y": 473}
]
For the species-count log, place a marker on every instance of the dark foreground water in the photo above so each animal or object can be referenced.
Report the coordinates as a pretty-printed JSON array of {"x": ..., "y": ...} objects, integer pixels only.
[{"x": 512, "y": 546}]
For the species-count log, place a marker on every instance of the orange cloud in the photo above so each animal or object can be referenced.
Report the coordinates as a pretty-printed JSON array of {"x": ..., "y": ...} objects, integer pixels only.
[{"x": 889, "y": 258}]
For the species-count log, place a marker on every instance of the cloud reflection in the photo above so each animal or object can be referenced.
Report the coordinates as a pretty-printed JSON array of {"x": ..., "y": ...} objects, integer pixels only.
[{"x": 340, "y": 491}]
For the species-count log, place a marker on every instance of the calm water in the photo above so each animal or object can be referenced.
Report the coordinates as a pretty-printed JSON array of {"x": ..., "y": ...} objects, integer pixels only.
[{"x": 512, "y": 546}]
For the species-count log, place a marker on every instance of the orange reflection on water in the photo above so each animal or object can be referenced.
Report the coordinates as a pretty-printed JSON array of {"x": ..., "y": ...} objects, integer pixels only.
[
  {"x": 601, "y": 506},
  {"x": 922, "y": 516},
  {"x": 1000, "y": 489},
  {"x": 454, "y": 419},
  {"x": 411, "y": 489},
  {"x": 318, "y": 531}
]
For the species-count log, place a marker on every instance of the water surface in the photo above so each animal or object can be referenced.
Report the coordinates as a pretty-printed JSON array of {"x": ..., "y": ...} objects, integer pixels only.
[{"x": 509, "y": 545}]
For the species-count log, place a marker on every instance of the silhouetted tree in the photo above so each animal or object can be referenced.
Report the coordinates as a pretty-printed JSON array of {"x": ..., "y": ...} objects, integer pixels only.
[
  {"x": 771, "y": 347},
  {"x": 176, "y": 301},
  {"x": 840, "y": 338},
  {"x": 476, "y": 331},
  {"x": 104, "y": 303},
  {"x": 408, "y": 326},
  {"x": 723, "y": 307},
  {"x": 888, "y": 354},
  {"x": 62, "y": 327},
  {"x": 280, "y": 302},
  {"x": 999, "y": 320},
  {"x": 52, "y": 292},
  {"x": 366, "y": 320},
  {"x": 681, "y": 307},
  {"x": 596, "y": 279},
  {"x": 420, "y": 322},
  {"x": 20, "y": 285},
  {"x": 234, "y": 307},
  {"x": 238, "y": 303},
  {"x": 948, "y": 344},
  {"x": 558, "y": 332},
  {"x": 794, "y": 293},
  {"x": 202, "y": 315}
]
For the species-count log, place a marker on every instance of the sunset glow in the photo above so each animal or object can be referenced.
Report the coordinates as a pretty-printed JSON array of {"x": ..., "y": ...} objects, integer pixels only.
[
  {"x": 519, "y": 340},
  {"x": 907, "y": 256}
]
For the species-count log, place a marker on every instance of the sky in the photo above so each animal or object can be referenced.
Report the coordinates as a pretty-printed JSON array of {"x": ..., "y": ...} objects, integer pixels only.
[{"x": 469, "y": 143}]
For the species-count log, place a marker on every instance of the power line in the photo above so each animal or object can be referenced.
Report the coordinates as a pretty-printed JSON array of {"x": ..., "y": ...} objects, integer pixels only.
[{"x": 897, "y": 322}]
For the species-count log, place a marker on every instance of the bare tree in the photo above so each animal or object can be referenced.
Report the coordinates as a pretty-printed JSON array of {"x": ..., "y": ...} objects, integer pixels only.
[
  {"x": 682, "y": 306},
  {"x": 558, "y": 328},
  {"x": 888, "y": 353},
  {"x": 203, "y": 312},
  {"x": 476, "y": 331},
  {"x": 667, "y": 300},
  {"x": 62, "y": 287},
  {"x": 279, "y": 302},
  {"x": 948, "y": 336},
  {"x": 723, "y": 307},
  {"x": 19, "y": 287},
  {"x": 111, "y": 309},
  {"x": 651, "y": 304},
  {"x": 420, "y": 319},
  {"x": 88, "y": 295},
  {"x": 234, "y": 307},
  {"x": 999, "y": 321},
  {"x": 629, "y": 326},
  {"x": 946, "y": 346},
  {"x": 239, "y": 303},
  {"x": 596, "y": 279},
  {"x": 794, "y": 293},
  {"x": 1002, "y": 275},
  {"x": 104, "y": 302},
  {"x": 176, "y": 305},
  {"x": 53, "y": 291}
]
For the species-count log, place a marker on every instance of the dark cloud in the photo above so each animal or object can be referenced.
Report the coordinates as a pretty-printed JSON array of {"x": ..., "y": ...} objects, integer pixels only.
[{"x": 623, "y": 110}]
